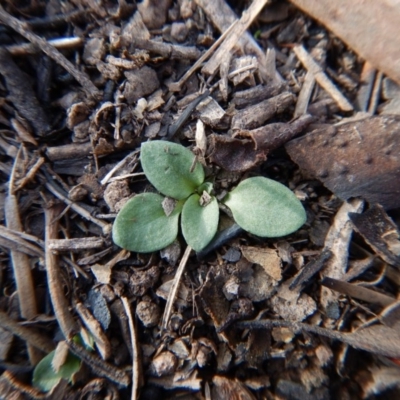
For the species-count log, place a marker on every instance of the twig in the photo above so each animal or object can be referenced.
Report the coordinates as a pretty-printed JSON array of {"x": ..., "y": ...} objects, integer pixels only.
[
  {"x": 176, "y": 86},
  {"x": 65, "y": 319},
  {"x": 376, "y": 92},
  {"x": 358, "y": 292},
  {"x": 106, "y": 227},
  {"x": 185, "y": 115},
  {"x": 68, "y": 151},
  {"x": 76, "y": 244},
  {"x": 23, "y": 241},
  {"x": 135, "y": 355},
  {"x": 21, "y": 265},
  {"x": 304, "y": 95},
  {"x": 118, "y": 166},
  {"x": 173, "y": 51},
  {"x": 60, "y": 44},
  {"x": 99, "y": 366},
  {"x": 311, "y": 66},
  {"x": 245, "y": 21},
  {"x": 222, "y": 17},
  {"x": 174, "y": 288},
  {"x": 31, "y": 174},
  {"x": 51, "y": 51},
  {"x": 31, "y": 336}
]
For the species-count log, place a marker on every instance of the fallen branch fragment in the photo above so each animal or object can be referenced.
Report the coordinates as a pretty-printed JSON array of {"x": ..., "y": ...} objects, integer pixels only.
[
  {"x": 76, "y": 244},
  {"x": 51, "y": 51},
  {"x": 321, "y": 78},
  {"x": 99, "y": 366}
]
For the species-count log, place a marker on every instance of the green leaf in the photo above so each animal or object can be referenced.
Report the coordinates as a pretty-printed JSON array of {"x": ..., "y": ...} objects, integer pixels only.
[
  {"x": 265, "y": 208},
  {"x": 142, "y": 225},
  {"x": 199, "y": 223},
  {"x": 167, "y": 166},
  {"x": 44, "y": 376}
]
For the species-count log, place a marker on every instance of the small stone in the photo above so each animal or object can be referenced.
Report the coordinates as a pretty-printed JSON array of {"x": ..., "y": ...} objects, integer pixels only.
[
  {"x": 148, "y": 312},
  {"x": 164, "y": 364}
]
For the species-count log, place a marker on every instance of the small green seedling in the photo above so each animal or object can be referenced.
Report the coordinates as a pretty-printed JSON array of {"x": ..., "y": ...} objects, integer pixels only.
[
  {"x": 149, "y": 222},
  {"x": 59, "y": 365}
]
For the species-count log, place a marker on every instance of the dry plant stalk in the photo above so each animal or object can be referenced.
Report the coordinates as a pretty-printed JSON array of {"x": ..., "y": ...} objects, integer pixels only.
[
  {"x": 21, "y": 265},
  {"x": 311, "y": 66},
  {"x": 65, "y": 319},
  {"x": 136, "y": 371},
  {"x": 174, "y": 288}
]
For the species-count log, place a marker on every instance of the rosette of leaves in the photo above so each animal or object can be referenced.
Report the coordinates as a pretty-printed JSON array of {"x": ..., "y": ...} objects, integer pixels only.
[{"x": 150, "y": 222}]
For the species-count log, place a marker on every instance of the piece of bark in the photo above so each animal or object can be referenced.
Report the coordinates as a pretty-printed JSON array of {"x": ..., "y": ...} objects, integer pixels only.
[
  {"x": 21, "y": 94},
  {"x": 256, "y": 94},
  {"x": 154, "y": 12},
  {"x": 380, "y": 232},
  {"x": 234, "y": 154},
  {"x": 310, "y": 269},
  {"x": 353, "y": 159},
  {"x": 69, "y": 151},
  {"x": 352, "y": 21},
  {"x": 173, "y": 51},
  {"x": 254, "y": 116},
  {"x": 337, "y": 242},
  {"x": 75, "y": 244},
  {"x": 141, "y": 82}
]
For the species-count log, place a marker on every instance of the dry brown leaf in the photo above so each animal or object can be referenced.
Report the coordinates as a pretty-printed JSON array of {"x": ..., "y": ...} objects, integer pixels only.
[
  {"x": 357, "y": 158},
  {"x": 60, "y": 355},
  {"x": 267, "y": 258}
]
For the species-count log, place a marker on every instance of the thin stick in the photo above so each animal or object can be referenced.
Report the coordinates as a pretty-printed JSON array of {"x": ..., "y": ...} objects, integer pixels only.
[
  {"x": 174, "y": 288},
  {"x": 135, "y": 355},
  {"x": 60, "y": 44},
  {"x": 176, "y": 86},
  {"x": 51, "y": 51},
  {"x": 311, "y": 65},
  {"x": 65, "y": 319},
  {"x": 20, "y": 263},
  {"x": 106, "y": 227},
  {"x": 118, "y": 166},
  {"x": 245, "y": 21}
]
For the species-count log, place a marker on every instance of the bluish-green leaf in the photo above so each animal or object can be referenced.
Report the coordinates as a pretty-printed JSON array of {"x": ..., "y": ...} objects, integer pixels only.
[
  {"x": 44, "y": 376},
  {"x": 199, "y": 223},
  {"x": 168, "y": 167},
  {"x": 142, "y": 225},
  {"x": 265, "y": 207}
]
